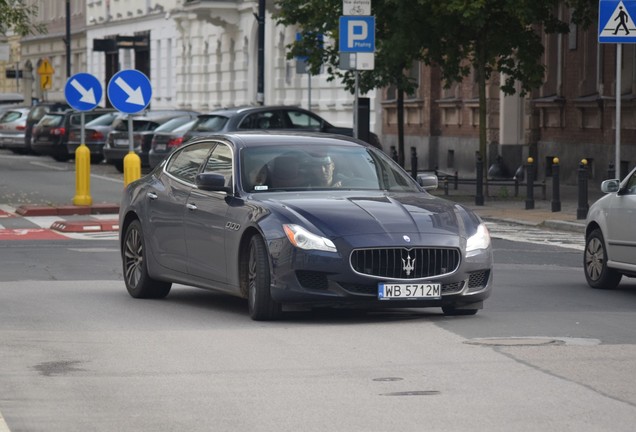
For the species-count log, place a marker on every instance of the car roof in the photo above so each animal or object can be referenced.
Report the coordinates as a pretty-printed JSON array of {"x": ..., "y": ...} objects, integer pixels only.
[
  {"x": 257, "y": 138},
  {"x": 163, "y": 114},
  {"x": 228, "y": 112}
]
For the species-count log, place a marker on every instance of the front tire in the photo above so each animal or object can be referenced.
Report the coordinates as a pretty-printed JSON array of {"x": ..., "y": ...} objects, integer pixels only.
[
  {"x": 138, "y": 282},
  {"x": 260, "y": 303},
  {"x": 597, "y": 273}
]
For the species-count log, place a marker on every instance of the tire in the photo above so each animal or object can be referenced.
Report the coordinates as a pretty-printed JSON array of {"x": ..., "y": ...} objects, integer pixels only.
[
  {"x": 62, "y": 158},
  {"x": 119, "y": 165},
  {"x": 597, "y": 274},
  {"x": 257, "y": 279},
  {"x": 138, "y": 282},
  {"x": 451, "y": 311}
]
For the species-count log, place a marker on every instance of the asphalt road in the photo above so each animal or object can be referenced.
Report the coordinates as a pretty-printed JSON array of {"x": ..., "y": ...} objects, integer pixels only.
[{"x": 77, "y": 353}]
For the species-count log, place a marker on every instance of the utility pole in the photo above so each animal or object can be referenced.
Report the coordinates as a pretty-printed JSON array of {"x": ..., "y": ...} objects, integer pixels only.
[
  {"x": 67, "y": 41},
  {"x": 260, "y": 87}
]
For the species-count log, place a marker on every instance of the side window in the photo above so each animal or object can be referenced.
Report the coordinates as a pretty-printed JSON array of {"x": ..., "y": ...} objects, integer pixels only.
[
  {"x": 301, "y": 120},
  {"x": 185, "y": 164},
  {"x": 220, "y": 162},
  {"x": 263, "y": 120}
]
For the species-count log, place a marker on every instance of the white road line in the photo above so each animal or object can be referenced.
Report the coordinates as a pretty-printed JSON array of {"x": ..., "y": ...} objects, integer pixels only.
[
  {"x": 114, "y": 180},
  {"x": 3, "y": 425},
  {"x": 46, "y": 165}
]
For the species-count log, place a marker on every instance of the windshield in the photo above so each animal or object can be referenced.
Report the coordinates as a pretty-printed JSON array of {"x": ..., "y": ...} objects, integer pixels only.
[
  {"x": 138, "y": 125},
  {"x": 287, "y": 167},
  {"x": 212, "y": 123}
]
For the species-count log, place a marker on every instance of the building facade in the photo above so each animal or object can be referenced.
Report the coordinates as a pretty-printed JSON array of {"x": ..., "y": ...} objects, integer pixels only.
[
  {"x": 572, "y": 116},
  {"x": 198, "y": 54}
]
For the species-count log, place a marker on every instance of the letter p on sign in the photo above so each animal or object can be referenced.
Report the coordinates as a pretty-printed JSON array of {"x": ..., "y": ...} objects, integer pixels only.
[{"x": 357, "y": 31}]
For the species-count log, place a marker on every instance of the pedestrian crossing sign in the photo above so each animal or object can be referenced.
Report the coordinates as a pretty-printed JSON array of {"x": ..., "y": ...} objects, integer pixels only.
[{"x": 615, "y": 21}]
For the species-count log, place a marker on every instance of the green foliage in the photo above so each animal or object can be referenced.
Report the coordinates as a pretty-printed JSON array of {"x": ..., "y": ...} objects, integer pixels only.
[{"x": 17, "y": 16}]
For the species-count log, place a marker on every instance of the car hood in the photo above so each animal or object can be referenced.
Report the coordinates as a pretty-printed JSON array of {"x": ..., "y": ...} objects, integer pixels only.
[{"x": 404, "y": 213}]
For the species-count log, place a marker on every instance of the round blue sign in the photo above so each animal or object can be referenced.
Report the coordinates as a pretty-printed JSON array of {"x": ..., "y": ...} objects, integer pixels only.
[
  {"x": 83, "y": 91},
  {"x": 129, "y": 91}
]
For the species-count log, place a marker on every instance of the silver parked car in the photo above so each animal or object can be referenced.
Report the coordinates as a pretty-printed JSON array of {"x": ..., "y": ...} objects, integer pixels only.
[
  {"x": 13, "y": 127},
  {"x": 610, "y": 234}
]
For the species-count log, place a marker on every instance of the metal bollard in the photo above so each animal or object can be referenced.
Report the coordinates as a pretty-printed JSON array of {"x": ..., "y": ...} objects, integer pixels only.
[
  {"x": 581, "y": 211},
  {"x": 611, "y": 172},
  {"x": 530, "y": 184},
  {"x": 479, "y": 194},
  {"x": 456, "y": 180},
  {"x": 413, "y": 163},
  {"x": 446, "y": 186},
  {"x": 394, "y": 153},
  {"x": 556, "y": 186}
]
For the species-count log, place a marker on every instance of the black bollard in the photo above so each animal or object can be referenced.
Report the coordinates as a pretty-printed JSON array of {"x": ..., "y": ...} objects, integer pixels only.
[
  {"x": 446, "y": 186},
  {"x": 530, "y": 184},
  {"x": 581, "y": 211},
  {"x": 413, "y": 163},
  {"x": 611, "y": 172},
  {"x": 394, "y": 153},
  {"x": 556, "y": 186},
  {"x": 479, "y": 194}
]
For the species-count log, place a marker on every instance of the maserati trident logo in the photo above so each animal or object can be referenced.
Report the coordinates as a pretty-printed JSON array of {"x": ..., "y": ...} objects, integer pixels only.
[
  {"x": 408, "y": 264},
  {"x": 407, "y": 239}
]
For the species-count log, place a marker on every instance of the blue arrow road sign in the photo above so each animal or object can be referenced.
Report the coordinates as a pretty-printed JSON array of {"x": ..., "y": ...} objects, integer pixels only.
[
  {"x": 616, "y": 21},
  {"x": 129, "y": 91},
  {"x": 357, "y": 34},
  {"x": 83, "y": 91}
]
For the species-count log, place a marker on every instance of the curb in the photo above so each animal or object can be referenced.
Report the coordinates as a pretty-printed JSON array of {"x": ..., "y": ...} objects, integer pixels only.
[
  {"x": 67, "y": 210},
  {"x": 85, "y": 226}
]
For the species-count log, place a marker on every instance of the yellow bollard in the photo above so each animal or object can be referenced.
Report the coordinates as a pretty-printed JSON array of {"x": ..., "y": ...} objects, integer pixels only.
[
  {"x": 132, "y": 167},
  {"x": 82, "y": 176}
]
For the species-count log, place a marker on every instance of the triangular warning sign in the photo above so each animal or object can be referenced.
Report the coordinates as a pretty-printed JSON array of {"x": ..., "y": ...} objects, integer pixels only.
[{"x": 620, "y": 23}]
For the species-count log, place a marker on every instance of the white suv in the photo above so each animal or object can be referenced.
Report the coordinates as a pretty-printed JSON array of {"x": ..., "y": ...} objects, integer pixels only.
[{"x": 610, "y": 234}]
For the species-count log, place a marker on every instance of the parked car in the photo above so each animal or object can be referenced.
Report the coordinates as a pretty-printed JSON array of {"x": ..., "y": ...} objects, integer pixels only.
[
  {"x": 144, "y": 125},
  {"x": 35, "y": 115},
  {"x": 95, "y": 134},
  {"x": 610, "y": 234},
  {"x": 50, "y": 134},
  {"x": 267, "y": 117},
  {"x": 12, "y": 128},
  {"x": 168, "y": 137},
  {"x": 302, "y": 220}
]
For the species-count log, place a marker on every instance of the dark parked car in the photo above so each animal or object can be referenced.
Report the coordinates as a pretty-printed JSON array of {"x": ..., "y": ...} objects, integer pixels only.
[
  {"x": 610, "y": 234},
  {"x": 267, "y": 118},
  {"x": 168, "y": 137},
  {"x": 95, "y": 133},
  {"x": 50, "y": 135},
  {"x": 302, "y": 220},
  {"x": 35, "y": 115},
  {"x": 12, "y": 128},
  {"x": 144, "y": 125}
]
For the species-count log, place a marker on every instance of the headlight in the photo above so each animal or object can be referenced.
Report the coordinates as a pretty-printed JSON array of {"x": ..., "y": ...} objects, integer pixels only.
[
  {"x": 479, "y": 240},
  {"x": 303, "y": 239}
]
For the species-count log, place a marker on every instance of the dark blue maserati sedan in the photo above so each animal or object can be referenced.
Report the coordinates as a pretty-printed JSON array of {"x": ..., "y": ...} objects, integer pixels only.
[{"x": 300, "y": 220}]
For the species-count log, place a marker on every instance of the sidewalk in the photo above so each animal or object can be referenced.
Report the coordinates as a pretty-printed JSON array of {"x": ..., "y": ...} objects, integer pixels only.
[{"x": 500, "y": 204}]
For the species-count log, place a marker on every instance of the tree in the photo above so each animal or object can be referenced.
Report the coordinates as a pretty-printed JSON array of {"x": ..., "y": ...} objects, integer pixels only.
[
  {"x": 489, "y": 36},
  {"x": 17, "y": 16}
]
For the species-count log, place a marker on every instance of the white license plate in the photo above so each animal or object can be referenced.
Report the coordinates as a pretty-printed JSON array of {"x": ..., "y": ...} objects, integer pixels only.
[
  {"x": 121, "y": 142},
  {"x": 389, "y": 291},
  {"x": 160, "y": 147}
]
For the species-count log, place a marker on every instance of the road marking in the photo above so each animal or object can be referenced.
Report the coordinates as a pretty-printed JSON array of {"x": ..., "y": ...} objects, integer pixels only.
[
  {"x": 48, "y": 165},
  {"x": 3, "y": 425},
  {"x": 538, "y": 236}
]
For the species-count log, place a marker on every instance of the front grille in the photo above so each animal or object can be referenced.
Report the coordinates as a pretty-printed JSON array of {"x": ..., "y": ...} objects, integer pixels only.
[{"x": 402, "y": 263}]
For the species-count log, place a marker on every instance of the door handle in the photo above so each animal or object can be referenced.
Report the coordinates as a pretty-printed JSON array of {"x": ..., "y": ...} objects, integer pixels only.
[
  {"x": 191, "y": 206},
  {"x": 152, "y": 195}
]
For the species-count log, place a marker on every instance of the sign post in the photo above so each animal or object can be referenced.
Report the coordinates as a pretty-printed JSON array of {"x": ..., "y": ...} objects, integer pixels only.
[
  {"x": 129, "y": 91},
  {"x": 357, "y": 44},
  {"x": 82, "y": 92},
  {"x": 616, "y": 25}
]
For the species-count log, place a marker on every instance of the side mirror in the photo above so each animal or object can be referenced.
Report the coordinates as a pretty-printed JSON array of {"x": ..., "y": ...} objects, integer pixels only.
[
  {"x": 428, "y": 181},
  {"x": 610, "y": 186},
  {"x": 212, "y": 182}
]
